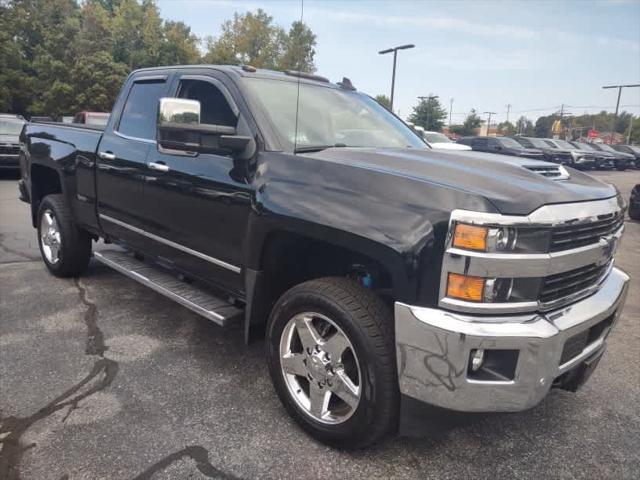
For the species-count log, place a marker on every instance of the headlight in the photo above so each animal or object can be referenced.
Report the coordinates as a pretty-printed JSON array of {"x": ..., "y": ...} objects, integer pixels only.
[
  {"x": 479, "y": 289},
  {"x": 483, "y": 239}
]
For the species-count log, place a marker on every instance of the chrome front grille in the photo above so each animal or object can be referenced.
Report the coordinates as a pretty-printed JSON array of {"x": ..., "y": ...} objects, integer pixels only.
[
  {"x": 565, "y": 284},
  {"x": 9, "y": 149},
  {"x": 581, "y": 233}
]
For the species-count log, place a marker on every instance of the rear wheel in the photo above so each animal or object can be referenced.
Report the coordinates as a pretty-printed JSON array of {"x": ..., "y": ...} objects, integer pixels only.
[
  {"x": 331, "y": 357},
  {"x": 65, "y": 249}
]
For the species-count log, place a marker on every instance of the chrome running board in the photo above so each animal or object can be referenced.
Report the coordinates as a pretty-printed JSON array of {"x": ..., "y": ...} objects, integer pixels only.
[{"x": 194, "y": 298}]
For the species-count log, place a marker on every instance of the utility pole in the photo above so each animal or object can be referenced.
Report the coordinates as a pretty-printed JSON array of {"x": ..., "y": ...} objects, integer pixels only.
[
  {"x": 615, "y": 117},
  {"x": 393, "y": 75},
  {"x": 489, "y": 121},
  {"x": 428, "y": 99},
  {"x": 450, "y": 110},
  {"x": 508, "y": 110}
]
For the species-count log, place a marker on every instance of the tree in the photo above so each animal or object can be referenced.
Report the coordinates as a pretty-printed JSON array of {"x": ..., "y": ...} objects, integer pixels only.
[
  {"x": 635, "y": 131},
  {"x": 253, "y": 39},
  {"x": 507, "y": 128},
  {"x": 249, "y": 38},
  {"x": 179, "y": 46},
  {"x": 429, "y": 114},
  {"x": 384, "y": 101},
  {"x": 471, "y": 123},
  {"x": 525, "y": 127},
  {"x": 543, "y": 126},
  {"x": 299, "y": 49}
]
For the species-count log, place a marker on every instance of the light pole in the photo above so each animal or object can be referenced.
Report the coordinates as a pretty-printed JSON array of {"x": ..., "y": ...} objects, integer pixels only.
[
  {"x": 450, "y": 110},
  {"x": 428, "y": 99},
  {"x": 393, "y": 75},
  {"x": 619, "y": 87},
  {"x": 489, "y": 121}
]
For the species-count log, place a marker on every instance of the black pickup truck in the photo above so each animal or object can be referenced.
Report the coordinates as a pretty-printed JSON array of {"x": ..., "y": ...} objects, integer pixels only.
[{"x": 375, "y": 268}]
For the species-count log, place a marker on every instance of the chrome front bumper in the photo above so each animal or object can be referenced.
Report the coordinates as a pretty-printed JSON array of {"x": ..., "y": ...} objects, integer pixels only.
[{"x": 434, "y": 348}]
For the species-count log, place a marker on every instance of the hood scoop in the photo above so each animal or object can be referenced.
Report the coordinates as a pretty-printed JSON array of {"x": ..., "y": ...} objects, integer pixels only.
[{"x": 554, "y": 172}]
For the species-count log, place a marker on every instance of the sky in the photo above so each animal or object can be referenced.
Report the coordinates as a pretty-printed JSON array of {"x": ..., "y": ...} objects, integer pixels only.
[{"x": 533, "y": 55}]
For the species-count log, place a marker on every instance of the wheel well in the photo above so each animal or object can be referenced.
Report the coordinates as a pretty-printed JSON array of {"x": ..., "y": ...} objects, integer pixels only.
[
  {"x": 289, "y": 259},
  {"x": 44, "y": 181}
]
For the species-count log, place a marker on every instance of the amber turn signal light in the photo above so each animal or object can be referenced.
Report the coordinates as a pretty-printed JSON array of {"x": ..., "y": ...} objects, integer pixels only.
[
  {"x": 470, "y": 237},
  {"x": 464, "y": 287}
]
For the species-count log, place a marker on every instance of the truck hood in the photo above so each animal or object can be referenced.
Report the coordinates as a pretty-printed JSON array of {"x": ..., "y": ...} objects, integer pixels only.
[{"x": 502, "y": 180}]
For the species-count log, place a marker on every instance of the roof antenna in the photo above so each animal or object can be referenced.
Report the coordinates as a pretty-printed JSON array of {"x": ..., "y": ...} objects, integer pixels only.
[{"x": 295, "y": 135}]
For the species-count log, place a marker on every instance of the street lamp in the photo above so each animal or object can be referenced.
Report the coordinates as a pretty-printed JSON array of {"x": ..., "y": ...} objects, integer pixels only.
[
  {"x": 395, "y": 55},
  {"x": 428, "y": 99},
  {"x": 489, "y": 121}
]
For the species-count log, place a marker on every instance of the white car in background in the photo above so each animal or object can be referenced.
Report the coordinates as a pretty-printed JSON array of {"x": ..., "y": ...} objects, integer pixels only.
[{"x": 439, "y": 141}]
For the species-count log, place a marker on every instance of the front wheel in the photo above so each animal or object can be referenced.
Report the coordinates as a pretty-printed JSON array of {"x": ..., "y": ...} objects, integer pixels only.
[
  {"x": 331, "y": 355},
  {"x": 65, "y": 249}
]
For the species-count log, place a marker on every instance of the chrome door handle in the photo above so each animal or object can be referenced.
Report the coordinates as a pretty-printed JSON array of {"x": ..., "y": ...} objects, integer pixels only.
[
  {"x": 160, "y": 167},
  {"x": 106, "y": 155}
]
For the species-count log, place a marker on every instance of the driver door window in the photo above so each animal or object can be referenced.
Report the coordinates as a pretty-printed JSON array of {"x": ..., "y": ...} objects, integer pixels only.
[{"x": 214, "y": 108}]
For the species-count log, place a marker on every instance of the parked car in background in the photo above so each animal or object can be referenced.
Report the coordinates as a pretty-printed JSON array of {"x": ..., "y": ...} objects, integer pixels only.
[
  {"x": 604, "y": 160},
  {"x": 553, "y": 153},
  {"x": 98, "y": 119},
  {"x": 41, "y": 119},
  {"x": 10, "y": 128},
  {"x": 631, "y": 150},
  {"x": 581, "y": 158},
  {"x": 634, "y": 203},
  {"x": 622, "y": 159},
  {"x": 440, "y": 141},
  {"x": 501, "y": 145}
]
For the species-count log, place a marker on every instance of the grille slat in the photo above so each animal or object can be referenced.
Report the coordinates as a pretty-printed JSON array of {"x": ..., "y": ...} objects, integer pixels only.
[
  {"x": 9, "y": 150},
  {"x": 571, "y": 282},
  {"x": 581, "y": 234}
]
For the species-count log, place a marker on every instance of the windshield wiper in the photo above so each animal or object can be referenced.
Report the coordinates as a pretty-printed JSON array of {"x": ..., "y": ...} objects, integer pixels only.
[{"x": 317, "y": 148}]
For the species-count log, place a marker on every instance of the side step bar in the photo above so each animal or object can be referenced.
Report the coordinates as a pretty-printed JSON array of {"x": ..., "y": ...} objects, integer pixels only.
[{"x": 192, "y": 297}]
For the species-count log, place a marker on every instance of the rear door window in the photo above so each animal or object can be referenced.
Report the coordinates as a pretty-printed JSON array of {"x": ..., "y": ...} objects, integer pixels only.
[{"x": 138, "y": 118}]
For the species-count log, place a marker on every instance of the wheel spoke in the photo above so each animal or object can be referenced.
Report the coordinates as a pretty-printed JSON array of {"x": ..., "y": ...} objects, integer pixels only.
[
  {"x": 293, "y": 364},
  {"x": 54, "y": 252},
  {"x": 335, "y": 346},
  {"x": 308, "y": 334},
  {"x": 344, "y": 388},
  {"x": 319, "y": 400}
]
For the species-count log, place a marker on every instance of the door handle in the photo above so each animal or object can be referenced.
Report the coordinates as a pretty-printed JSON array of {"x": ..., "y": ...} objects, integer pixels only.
[
  {"x": 160, "y": 167},
  {"x": 106, "y": 155}
]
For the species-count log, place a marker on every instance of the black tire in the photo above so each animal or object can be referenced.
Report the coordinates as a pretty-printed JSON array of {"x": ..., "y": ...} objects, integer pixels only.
[
  {"x": 634, "y": 212},
  {"x": 75, "y": 244},
  {"x": 368, "y": 324},
  {"x": 621, "y": 168}
]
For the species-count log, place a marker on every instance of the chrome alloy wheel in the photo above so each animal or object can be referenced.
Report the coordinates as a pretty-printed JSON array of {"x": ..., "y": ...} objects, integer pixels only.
[
  {"x": 320, "y": 368},
  {"x": 50, "y": 237}
]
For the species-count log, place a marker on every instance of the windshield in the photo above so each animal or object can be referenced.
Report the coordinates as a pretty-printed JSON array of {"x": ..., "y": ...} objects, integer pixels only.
[
  {"x": 537, "y": 142},
  {"x": 97, "y": 119},
  {"x": 508, "y": 142},
  {"x": 582, "y": 146},
  {"x": 329, "y": 117},
  {"x": 564, "y": 144},
  {"x": 635, "y": 149},
  {"x": 10, "y": 126},
  {"x": 436, "y": 138},
  {"x": 607, "y": 148}
]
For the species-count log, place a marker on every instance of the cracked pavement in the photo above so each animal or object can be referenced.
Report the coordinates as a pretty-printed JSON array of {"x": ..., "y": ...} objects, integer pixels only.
[{"x": 103, "y": 378}]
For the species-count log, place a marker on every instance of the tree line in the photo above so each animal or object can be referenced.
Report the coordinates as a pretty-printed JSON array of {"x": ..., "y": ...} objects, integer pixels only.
[{"x": 58, "y": 57}]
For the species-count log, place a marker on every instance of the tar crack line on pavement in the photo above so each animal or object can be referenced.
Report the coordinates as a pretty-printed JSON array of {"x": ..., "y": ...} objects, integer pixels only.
[
  {"x": 13, "y": 251},
  {"x": 12, "y": 428}
]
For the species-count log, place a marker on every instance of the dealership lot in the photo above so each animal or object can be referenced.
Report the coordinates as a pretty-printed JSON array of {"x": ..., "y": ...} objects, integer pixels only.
[{"x": 103, "y": 378}]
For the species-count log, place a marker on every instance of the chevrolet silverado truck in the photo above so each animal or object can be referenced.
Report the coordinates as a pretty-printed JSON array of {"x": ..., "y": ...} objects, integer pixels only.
[{"x": 375, "y": 268}]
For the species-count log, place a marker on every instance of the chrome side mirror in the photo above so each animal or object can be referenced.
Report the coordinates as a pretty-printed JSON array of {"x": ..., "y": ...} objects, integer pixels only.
[{"x": 178, "y": 111}]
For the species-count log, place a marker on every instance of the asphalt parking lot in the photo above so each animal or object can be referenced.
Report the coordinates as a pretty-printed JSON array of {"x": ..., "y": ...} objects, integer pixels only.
[{"x": 103, "y": 378}]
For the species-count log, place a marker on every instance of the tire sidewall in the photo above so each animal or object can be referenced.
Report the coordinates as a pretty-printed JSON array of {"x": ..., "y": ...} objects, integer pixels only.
[{"x": 310, "y": 301}]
